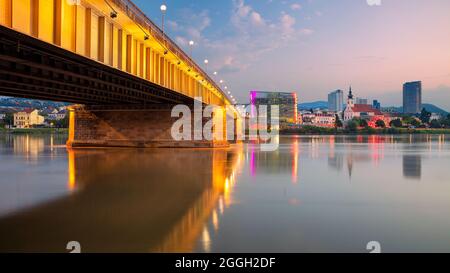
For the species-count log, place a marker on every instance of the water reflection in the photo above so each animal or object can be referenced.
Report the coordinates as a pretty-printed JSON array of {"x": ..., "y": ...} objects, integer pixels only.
[
  {"x": 234, "y": 200},
  {"x": 128, "y": 200},
  {"x": 412, "y": 166}
]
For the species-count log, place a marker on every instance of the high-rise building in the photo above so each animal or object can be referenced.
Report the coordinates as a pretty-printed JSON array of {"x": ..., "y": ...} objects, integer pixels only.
[
  {"x": 287, "y": 102},
  {"x": 376, "y": 104},
  {"x": 360, "y": 101},
  {"x": 412, "y": 97},
  {"x": 336, "y": 101}
]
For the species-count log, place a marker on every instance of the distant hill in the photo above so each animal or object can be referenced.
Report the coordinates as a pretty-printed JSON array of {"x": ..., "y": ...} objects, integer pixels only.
[
  {"x": 428, "y": 106},
  {"x": 434, "y": 109},
  {"x": 28, "y": 103},
  {"x": 313, "y": 105}
]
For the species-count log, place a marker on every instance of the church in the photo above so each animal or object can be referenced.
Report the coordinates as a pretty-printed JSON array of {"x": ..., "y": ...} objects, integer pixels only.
[{"x": 364, "y": 111}]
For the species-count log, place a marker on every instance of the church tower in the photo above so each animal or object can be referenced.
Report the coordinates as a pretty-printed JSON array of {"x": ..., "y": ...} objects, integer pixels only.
[{"x": 350, "y": 102}]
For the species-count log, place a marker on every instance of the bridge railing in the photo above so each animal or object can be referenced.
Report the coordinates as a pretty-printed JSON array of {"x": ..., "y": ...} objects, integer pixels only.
[{"x": 137, "y": 15}]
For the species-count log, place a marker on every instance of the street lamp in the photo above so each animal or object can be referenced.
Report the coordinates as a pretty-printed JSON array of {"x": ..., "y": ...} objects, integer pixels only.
[
  {"x": 206, "y": 61},
  {"x": 113, "y": 13},
  {"x": 215, "y": 73},
  {"x": 191, "y": 44},
  {"x": 163, "y": 11}
]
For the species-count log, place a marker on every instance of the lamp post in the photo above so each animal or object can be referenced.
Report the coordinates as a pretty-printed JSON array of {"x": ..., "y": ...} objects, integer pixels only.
[
  {"x": 206, "y": 61},
  {"x": 163, "y": 11},
  {"x": 191, "y": 44}
]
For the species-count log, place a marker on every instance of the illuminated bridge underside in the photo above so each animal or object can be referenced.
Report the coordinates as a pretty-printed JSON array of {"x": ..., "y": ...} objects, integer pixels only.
[
  {"x": 31, "y": 68},
  {"x": 78, "y": 53}
]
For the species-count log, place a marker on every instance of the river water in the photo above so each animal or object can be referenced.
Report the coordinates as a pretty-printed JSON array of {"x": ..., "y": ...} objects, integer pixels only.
[{"x": 314, "y": 194}]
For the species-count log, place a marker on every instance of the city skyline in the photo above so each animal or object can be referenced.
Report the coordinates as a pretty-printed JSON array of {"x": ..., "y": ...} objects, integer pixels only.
[{"x": 318, "y": 46}]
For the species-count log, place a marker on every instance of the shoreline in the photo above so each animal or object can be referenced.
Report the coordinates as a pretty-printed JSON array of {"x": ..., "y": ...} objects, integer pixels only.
[
  {"x": 365, "y": 131},
  {"x": 285, "y": 132},
  {"x": 35, "y": 131}
]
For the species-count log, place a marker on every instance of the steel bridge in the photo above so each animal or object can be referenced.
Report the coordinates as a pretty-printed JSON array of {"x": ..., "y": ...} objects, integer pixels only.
[{"x": 96, "y": 53}]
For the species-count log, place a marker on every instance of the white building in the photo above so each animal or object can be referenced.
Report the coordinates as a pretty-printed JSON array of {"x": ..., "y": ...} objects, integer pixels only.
[
  {"x": 28, "y": 118},
  {"x": 353, "y": 110}
]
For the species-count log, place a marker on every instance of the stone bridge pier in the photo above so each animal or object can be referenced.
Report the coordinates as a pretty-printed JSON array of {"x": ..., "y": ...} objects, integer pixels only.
[{"x": 132, "y": 127}]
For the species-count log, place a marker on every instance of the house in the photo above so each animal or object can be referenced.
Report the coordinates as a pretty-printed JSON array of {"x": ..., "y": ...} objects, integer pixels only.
[
  {"x": 27, "y": 118},
  {"x": 319, "y": 119},
  {"x": 57, "y": 115}
]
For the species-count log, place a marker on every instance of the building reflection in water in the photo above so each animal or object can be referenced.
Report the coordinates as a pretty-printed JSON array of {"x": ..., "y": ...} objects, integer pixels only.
[
  {"x": 275, "y": 162},
  {"x": 130, "y": 201},
  {"x": 28, "y": 146},
  {"x": 412, "y": 166}
]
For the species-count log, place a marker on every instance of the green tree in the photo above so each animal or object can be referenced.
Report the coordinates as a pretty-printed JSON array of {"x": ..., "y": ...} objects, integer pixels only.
[
  {"x": 415, "y": 122},
  {"x": 63, "y": 123},
  {"x": 8, "y": 120},
  {"x": 338, "y": 122},
  {"x": 396, "y": 123},
  {"x": 435, "y": 124},
  {"x": 352, "y": 126},
  {"x": 425, "y": 116},
  {"x": 363, "y": 123},
  {"x": 380, "y": 124}
]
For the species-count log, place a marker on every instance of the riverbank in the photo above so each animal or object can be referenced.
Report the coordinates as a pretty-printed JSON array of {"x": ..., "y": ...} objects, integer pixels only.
[
  {"x": 311, "y": 130},
  {"x": 34, "y": 131}
]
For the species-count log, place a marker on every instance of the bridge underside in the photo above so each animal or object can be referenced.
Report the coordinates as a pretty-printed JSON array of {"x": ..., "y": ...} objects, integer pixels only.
[
  {"x": 31, "y": 68},
  {"x": 120, "y": 110}
]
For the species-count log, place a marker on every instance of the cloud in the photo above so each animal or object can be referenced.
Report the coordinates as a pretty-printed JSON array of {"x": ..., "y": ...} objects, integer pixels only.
[
  {"x": 296, "y": 6},
  {"x": 248, "y": 36},
  {"x": 253, "y": 35}
]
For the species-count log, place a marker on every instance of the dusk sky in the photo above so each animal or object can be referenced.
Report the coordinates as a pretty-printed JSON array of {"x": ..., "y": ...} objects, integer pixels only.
[{"x": 313, "y": 47}]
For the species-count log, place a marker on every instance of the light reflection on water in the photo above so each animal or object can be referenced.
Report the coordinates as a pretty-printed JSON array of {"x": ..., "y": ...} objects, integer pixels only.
[{"x": 314, "y": 194}]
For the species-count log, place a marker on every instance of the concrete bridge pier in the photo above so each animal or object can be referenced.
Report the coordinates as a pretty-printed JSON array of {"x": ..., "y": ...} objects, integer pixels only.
[{"x": 129, "y": 126}]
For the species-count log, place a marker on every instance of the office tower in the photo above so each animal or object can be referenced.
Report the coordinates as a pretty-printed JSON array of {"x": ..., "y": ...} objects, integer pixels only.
[
  {"x": 336, "y": 101},
  {"x": 412, "y": 97}
]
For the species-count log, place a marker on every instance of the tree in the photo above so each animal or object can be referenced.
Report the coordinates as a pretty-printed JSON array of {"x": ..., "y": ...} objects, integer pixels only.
[
  {"x": 396, "y": 123},
  {"x": 425, "y": 116},
  {"x": 435, "y": 124},
  {"x": 63, "y": 123},
  {"x": 363, "y": 123},
  {"x": 380, "y": 124},
  {"x": 415, "y": 122},
  {"x": 352, "y": 126},
  {"x": 8, "y": 120},
  {"x": 338, "y": 122}
]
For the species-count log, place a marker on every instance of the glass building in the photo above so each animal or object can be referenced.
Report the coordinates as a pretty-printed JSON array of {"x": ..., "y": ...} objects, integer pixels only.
[
  {"x": 412, "y": 97},
  {"x": 287, "y": 103},
  {"x": 376, "y": 104},
  {"x": 336, "y": 101}
]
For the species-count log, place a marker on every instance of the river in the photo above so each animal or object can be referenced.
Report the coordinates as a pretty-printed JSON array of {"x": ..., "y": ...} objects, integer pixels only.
[{"x": 314, "y": 194}]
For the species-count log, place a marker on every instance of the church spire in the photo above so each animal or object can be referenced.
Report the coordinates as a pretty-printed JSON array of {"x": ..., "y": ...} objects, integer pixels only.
[{"x": 350, "y": 94}]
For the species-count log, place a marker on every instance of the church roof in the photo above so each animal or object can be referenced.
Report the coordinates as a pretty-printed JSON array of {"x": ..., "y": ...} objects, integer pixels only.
[{"x": 365, "y": 108}]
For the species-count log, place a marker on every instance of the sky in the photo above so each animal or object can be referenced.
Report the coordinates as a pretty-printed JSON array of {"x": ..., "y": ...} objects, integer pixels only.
[{"x": 313, "y": 47}]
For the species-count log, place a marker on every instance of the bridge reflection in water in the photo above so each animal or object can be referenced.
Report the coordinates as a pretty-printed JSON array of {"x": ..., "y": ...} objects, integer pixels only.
[{"x": 130, "y": 201}]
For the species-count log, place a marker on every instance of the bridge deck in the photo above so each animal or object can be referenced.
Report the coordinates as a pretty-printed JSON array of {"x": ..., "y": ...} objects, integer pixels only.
[{"x": 31, "y": 68}]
